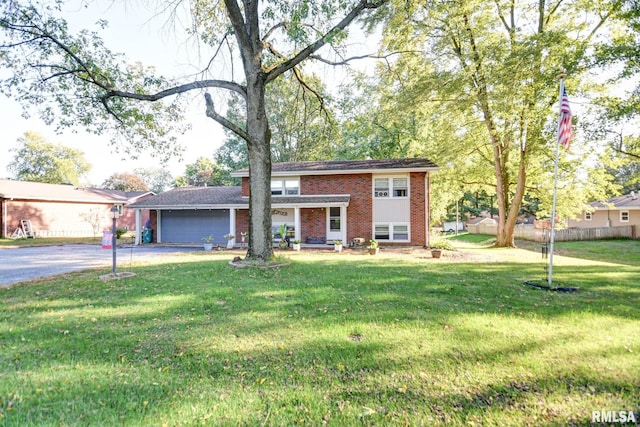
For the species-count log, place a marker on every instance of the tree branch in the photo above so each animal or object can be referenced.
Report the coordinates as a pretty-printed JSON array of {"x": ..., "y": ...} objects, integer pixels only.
[
  {"x": 211, "y": 113},
  {"x": 273, "y": 73}
]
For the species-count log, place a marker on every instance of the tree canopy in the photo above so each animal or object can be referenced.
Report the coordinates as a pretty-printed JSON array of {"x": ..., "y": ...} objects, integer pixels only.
[
  {"x": 125, "y": 181},
  {"x": 39, "y": 160}
]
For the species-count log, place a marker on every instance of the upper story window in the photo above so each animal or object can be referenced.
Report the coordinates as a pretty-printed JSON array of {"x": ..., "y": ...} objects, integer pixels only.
[
  {"x": 588, "y": 216},
  {"x": 285, "y": 187},
  {"x": 624, "y": 216},
  {"x": 390, "y": 187}
]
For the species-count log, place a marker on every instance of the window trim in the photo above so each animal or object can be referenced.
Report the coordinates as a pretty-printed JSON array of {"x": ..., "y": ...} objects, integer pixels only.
[
  {"x": 623, "y": 214},
  {"x": 390, "y": 190},
  {"x": 391, "y": 227},
  {"x": 282, "y": 188}
]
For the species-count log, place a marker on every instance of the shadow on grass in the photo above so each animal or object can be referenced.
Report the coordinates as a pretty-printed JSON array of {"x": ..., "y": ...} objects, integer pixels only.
[{"x": 367, "y": 341}]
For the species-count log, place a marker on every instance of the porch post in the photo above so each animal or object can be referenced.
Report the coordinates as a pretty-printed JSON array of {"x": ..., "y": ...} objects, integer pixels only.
[
  {"x": 138, "y": 226},
  {"x": 343, "y": 225},
  {"x": 232, "y": 223},
  {"x": 297, "y": 223}
]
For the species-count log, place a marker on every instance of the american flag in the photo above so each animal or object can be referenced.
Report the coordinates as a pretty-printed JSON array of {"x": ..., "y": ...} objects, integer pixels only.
[{"x": 564, "y": 124}]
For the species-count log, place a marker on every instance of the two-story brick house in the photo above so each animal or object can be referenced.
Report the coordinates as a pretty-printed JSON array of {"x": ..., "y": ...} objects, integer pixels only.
[{"x": 386, "y": 200}]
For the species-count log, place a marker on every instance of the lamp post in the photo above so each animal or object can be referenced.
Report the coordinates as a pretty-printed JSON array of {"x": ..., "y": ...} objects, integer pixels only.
[{"x": 114, "y": 216}]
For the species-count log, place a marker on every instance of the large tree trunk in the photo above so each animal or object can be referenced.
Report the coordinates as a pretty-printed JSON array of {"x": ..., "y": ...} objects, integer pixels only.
[{"x": 259, "y": 150}]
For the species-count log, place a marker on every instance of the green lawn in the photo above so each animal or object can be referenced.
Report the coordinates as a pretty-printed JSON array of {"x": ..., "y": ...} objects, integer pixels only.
[{"x": 335, "y": 339}]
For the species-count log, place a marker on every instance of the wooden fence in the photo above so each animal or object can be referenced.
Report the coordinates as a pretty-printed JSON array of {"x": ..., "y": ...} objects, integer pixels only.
[{"x": 563, "y": 234}]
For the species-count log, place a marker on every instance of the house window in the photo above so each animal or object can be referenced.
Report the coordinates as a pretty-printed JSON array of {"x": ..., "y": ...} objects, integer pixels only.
[
  {"x": 390, "y": 187},
  {"x": 285, "y": 187},
  {"x": 334, "y": 219},
  {"x": 391, "y": 232},
  {"x": 400, "y": 232},
  {"x": 381, "y": 187},
  {"x": 624, "y": 216},
  {"x": 588, "y": 216},
  {"x": 381, "y": 232},
  {"x": 399, "y": 187},
  {"x": 276, "y": 187},
  {"x": 291, "y": 187}
]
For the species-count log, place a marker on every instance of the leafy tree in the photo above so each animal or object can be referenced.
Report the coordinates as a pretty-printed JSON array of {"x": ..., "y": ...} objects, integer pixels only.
[
  {"x": 125, "y": 182},
  {"x": 203, "y": 173},
  {"x": 482, "y": 78},
  {"x": 158, "y": 179},
  {"x": 302, "y": 126},
  {"x": 41, "y": 161},
  {"x": 95, "y": 88}
]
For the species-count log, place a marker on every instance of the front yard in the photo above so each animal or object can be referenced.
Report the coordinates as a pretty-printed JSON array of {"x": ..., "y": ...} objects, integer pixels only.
[{"x": 335, "y": 339}]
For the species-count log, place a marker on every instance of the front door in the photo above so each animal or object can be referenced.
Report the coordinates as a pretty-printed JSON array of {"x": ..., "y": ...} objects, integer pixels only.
[{"x": 334, "y": 223}]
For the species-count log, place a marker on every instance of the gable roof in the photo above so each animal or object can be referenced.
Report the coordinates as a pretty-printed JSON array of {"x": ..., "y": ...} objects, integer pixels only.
[
  {"x": 28, "y": 190},
  {"x": 627, "y": 201},
  {"x": 334, "y": 167}
]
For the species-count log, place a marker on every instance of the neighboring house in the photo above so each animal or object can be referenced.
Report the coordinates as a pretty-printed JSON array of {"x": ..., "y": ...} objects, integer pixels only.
[
  {"x": 614, "y": 212},
  {"x": 386, "y": 200},
  {"x": 64, "y": 210}
]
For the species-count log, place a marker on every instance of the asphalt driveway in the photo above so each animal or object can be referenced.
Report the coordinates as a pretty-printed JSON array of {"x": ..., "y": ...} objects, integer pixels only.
[{"x": 27, "y": 263}]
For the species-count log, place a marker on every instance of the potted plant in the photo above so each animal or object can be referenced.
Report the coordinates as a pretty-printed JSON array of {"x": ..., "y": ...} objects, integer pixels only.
[
  {"x": 337, "y": 245},
  {"x": 230, "y": 237},
  {"x": 284, "y": 244},
  {"x": 207, "y": 242},
  {"x": 438, "y": 246},
  {"x": 373, "y": 247},
  {"x": 243, "y": 236},
  {"x": 296, "y": 245}
]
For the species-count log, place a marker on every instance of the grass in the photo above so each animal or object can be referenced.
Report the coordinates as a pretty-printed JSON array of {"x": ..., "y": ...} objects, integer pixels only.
[{"x": 335, "y": 339}]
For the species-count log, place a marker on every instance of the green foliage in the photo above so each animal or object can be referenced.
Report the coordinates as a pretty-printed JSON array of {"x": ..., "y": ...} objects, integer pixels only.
[
  {"x": 41, "y": 161},
  {"x": 125, "y": 182},
  {"x": 205, "y": 172},
  {"x": 75, "y": 81},
  {"x": 159, "y": 179},
  {"x": 121, "y": 232}
]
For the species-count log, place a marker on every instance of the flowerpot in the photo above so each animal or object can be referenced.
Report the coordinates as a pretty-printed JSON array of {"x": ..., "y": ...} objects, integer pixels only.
[
  {"x": 374, "y": 251},
  {"x": 283, "y": 244},
  {"x": 337, "y": 248},
  {"x": 230, "y": 244},
  {"x": 296, "y": 246},
  {"x": 436, "y": 253},
  {"x": 208, "y": 246}
]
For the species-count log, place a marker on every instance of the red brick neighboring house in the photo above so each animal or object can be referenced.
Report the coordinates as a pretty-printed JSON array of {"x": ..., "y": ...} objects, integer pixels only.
[
  {"x": 386, "y": 200},
  {"x": 64, "y": 210}
]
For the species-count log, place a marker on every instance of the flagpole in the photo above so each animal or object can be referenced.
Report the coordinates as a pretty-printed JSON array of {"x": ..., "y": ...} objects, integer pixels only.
[{"x": 555, "y": 188}]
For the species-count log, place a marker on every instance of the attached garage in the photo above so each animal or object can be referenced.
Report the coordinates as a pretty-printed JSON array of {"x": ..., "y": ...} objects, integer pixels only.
[
  {"x": 188, "y": 226},
  {"x": 187, "y": 214}
]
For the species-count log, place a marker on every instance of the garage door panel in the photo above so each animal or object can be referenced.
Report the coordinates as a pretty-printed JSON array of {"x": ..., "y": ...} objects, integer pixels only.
[{"x": 190, "y": 226}]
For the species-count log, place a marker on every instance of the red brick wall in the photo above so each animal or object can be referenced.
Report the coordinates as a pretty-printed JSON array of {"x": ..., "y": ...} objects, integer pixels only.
[
  {"x": 418, "y": 208},
  {"x": 358, "y": 186},
  {"x": 242, "y": 223},
  {"x": 245, "y": 186},
  {"x": 313, "y": 222},
  {"x": 52, "y": 219}
]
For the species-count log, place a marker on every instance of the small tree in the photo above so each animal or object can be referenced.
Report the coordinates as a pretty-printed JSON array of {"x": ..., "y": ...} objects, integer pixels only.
[{"x": 95, "y": 217}]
